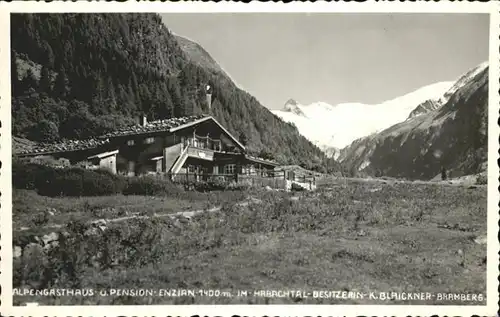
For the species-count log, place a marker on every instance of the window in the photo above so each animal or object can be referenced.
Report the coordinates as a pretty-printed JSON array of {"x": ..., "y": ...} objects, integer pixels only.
[
  {"x": 130, "y": 142},
  {"x": 229, "y": 169},
  {"x": 149, "y": 140}
]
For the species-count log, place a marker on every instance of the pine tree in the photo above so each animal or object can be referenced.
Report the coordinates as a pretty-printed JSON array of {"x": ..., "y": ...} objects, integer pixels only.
[
  {"x": 44, "y": 131},
  {"x": 121, "y": 98},
  {"x": 98, "y": 96},
  {"x": 14, "y": 74},
  {"x": 45, "y": 82},
  {"x": 29, "y": 81},
  {"x": 132, "y": 99},
  {"x": 61, "y": 84},
  {"x": 243, "y": 138},
  {"x": 111, "y": 95},
  {"x": 48, "y": 55}
]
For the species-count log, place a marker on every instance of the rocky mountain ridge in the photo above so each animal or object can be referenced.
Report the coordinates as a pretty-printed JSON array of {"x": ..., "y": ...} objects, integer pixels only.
[
  {"x": 333, "y": 127},
  {"x": 452, "y": 136}
]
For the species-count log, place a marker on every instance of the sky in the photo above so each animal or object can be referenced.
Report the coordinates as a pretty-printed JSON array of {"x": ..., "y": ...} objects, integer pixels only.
[{"x": 337, "y": 57}]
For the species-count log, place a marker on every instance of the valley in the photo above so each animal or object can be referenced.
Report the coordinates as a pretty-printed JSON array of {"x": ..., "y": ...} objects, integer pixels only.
[
  {"x": 357, "y": 236},
  {"x": 413, "y": 136}
]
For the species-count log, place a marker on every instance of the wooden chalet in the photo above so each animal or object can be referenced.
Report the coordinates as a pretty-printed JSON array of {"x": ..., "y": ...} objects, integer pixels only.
[{"x": 196, "y": 145}]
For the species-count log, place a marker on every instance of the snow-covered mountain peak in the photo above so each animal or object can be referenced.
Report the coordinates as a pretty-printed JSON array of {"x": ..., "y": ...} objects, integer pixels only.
[
  {"x": 291, "y": 103},
  {"x": 336, "y": 126},
  {"x": 463, "y": 80},
  {"x": 434, "y": 104},
  {"x": 294, "y": 107}
]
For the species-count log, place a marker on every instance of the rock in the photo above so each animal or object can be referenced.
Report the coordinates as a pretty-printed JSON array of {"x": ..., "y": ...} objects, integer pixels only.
[
  {"x": 99, "y": 222},
  {"x": 17, "y": 251},
  {"x": 93, "y": 231},
  {"x": 32, "y": 249},
  {"x": 254, "y": 200},
  {"x": 460, "y": 252},
  {"x": 53, "y": 244},
  {"x": 482, "y": 239},
  {"x": 51, "y": 211},
  {"x": 48, "y": 238},
  {"x": 177, "y": 224}
]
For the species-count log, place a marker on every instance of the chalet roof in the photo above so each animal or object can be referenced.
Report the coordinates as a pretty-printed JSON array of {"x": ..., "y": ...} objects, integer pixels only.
[
  {"x": 252, "y": 158},
  {"x": 168, "y": 125},
  {"x": 157, "y": 126},
  {"x": 261, "y": 160},
  {"x": 65, "y": 146}
]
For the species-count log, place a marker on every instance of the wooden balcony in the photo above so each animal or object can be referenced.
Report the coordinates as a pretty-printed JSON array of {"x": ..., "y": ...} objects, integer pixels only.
[
  {"x": 201, "y": 153},
  {"x": 203, "y": 143}
]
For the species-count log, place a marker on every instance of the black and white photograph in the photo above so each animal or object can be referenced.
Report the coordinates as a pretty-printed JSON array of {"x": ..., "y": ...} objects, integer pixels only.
[{"x": 271, "y": 158}]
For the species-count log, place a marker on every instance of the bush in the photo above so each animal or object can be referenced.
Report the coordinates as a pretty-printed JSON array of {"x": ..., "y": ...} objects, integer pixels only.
[
  {"x": 50, "y": 181},
  {"x": 81, "y": 182},
  {"x": 30, "y": 176},
  {"x": 216, "y": 184},
  {"x": 238, "y": 186},
  {"x": 482, "y": 179},
  {"x": 49, "y": 161},
  {"x": 443, "y": 174},
  {"x": 150, "y": 186}
]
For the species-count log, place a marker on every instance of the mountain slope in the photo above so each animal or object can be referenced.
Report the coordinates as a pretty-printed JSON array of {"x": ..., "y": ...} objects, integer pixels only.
[
  {"x": 334, "y": 127},
  {"x": 198, "y": 55},
  {"x": 453, "y": 136},
  {"x": 94, "y": 73}
]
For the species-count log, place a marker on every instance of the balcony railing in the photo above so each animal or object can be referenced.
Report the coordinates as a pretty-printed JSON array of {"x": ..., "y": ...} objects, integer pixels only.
[{"x": 203, "y": 143}]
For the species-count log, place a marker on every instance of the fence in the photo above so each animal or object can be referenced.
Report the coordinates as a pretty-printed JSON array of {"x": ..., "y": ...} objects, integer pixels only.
[
  {"x": 263, "y": 181},
  {"x": 184, "y": 178},
  {"x": 273, "y": 179}
]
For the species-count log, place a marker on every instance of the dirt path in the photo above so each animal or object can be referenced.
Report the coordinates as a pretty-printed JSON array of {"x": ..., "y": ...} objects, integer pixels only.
[
  {"x": 181, "y": 214},
  {"x": 185, "y": 214}
]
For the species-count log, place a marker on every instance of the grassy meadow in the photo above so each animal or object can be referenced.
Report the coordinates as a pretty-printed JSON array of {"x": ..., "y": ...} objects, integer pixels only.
[{"x": 359, "y": 237}]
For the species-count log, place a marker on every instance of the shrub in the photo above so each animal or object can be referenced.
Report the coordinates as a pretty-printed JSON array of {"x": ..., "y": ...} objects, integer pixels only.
[
  {"x": 238, "y": 186},
  {"x": 48, "y": 160},
  {"x": 210, "y": 185},
  {"x": 150, "y": 186},
  {"x": 49, "y": 181},
  {"x": 101, "y": 182},
  {"x": 30, "y": 176},
  {"x": 443, "y": 174},
  {"x": 482, "y": 179}
]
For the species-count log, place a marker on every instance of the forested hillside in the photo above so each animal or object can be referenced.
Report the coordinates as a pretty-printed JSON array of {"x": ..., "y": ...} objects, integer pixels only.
[{"x": 81, "y": 75}]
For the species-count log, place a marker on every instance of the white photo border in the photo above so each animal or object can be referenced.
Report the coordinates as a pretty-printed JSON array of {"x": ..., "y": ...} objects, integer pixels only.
[{"x": 493, "y": 246}]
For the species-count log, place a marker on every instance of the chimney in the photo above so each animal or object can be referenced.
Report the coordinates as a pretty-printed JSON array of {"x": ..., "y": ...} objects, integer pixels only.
[
  {"x": 208, "y": 92},
  {"x": 141, "y": 120}
]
